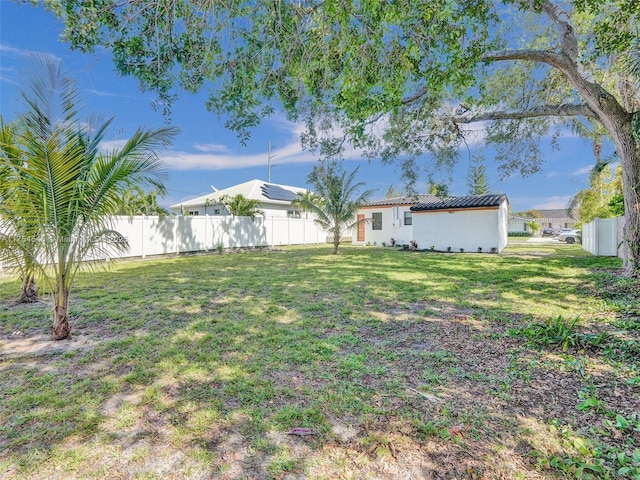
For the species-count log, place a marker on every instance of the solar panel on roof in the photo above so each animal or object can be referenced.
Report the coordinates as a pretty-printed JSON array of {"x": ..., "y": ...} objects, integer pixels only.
[{"x": 275, "y": 192}]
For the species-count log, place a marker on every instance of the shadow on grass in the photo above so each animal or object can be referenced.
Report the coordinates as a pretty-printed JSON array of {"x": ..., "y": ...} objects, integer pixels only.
[{"x": 208, "y": 362}]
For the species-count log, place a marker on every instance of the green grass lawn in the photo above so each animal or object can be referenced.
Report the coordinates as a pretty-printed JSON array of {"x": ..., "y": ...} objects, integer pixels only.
[{"x": 401, "y": 365}]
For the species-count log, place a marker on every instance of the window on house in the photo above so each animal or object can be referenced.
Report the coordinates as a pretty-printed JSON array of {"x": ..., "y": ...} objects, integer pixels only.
[
  {"x": 376, "y": 221},
  {"x": 293, "y": 214},
  {"x": 194, "y": 212},
  {"x": 408, "y": 219},
  {"x": 216, "y": 211}
]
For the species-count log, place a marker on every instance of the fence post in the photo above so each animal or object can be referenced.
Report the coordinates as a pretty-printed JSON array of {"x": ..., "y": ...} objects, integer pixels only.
[
  {"x": 142, "y": 234},
  {"x": 206, "y": 220},
  {"x": 176, "y": 235}
]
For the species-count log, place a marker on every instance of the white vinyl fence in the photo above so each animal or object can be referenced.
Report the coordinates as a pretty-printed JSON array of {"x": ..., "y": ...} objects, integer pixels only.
[
  {"x": 175, "y": 234},
  {"x": 604, "y": 237}
]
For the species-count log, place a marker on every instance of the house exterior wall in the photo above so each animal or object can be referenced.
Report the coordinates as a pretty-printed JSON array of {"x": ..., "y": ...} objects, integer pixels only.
[
  {"x": 392, "y": 226},
  {"x": 517, "y": 225},
  {"x": 466, "y": 228},
  {"x": 555, "y": 222}
]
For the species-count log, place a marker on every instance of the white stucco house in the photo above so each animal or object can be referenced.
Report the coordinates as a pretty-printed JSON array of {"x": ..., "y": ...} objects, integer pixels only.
[
  {"x": 275, "y": 199},
  {"x": 467, "y": 222}
]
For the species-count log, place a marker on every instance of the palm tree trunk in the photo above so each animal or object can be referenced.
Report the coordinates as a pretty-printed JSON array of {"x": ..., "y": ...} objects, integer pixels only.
[
  {"x": 336, "y": 241},
  {"x": 29, "y": 289},
  {"x": 61, "y": 327}
]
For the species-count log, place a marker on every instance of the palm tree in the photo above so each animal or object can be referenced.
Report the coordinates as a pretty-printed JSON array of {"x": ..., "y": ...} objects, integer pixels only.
[
  {"x": 137, "y": 201},
  {"x": 336, "y": 200},
  {"x": 241, "y": 206},
  {"x": 302, "y": 199},
  {"x": 533, "y": 226},
  {"x": 18, "y": 247},
  {"x": 68, "y": 188}
]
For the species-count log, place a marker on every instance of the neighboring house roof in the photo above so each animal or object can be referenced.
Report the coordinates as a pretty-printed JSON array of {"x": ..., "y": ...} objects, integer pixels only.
[
  {"x": 254, "y": 189},
  {"x": 470, "y": 201},
  {"x": 554, "y": 213},
  {"x": 409, "y": 200}
]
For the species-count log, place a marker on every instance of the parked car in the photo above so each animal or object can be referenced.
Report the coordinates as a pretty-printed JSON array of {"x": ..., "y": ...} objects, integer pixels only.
[
  {"x": 548, "y": 232},
  {"x": 569, "y": 235}
]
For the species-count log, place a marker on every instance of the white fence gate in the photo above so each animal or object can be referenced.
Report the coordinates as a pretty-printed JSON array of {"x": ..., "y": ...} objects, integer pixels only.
[{"x": 603, "y": 237}]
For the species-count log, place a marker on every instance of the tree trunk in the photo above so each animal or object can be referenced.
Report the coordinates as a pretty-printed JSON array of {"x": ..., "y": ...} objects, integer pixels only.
[
  {"x": 29, "y": 290},
  {"x": 336, "y": 242},
  {"x": 61, "y": 327},
  {"x": 629, "y": 154}
]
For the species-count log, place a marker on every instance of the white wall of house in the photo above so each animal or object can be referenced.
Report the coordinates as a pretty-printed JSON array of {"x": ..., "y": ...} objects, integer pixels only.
[
  {"x": 393, "y": 226},
  {"x": 465, "y": 228},
  {"x": 517, "y": 225}
]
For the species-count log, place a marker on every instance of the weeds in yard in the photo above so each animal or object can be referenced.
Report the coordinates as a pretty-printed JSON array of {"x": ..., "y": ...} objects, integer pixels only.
[{"x": 558, "y": 331}]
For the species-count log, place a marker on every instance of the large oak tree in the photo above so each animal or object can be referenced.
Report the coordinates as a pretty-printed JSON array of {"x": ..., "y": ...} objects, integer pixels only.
[{"x": 398, "y": 78}]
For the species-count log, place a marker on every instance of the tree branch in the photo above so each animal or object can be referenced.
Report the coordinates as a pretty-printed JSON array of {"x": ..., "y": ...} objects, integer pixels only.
[
  {"x": 554, "y": 59},
  {"x": 569, "y": 43},
  {"x": 415, "y": 96},
  {"x": 563, "y": 110}
]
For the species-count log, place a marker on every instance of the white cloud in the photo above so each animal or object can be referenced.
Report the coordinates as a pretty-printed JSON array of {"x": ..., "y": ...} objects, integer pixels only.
[
  {"x": 8, "y": 80},
  {"x": 559, "y": 201},
  {"x": 102, "y": 93},
  {"x": 211, "y": 147},
  {"x": 475, "y": 133},
  {"x": 23, "y": 52},
  {"x": 214, "y": 156},
  {"x": 551, "y": 174},
  {"x": 583, "y": 170},
  {"x": 107, "y": 146},
  {"x": 7, "y": 50},
  {"x": 290, "y": 153}
]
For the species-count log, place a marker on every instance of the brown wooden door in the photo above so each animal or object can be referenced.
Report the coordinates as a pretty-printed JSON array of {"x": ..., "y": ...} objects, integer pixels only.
[{"x": 361, "y": 227}]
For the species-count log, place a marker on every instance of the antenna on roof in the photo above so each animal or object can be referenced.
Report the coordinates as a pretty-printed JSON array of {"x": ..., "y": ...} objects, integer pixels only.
[
  {"x": 214, "y": 189},
  {"x": 269, "y": 157}
]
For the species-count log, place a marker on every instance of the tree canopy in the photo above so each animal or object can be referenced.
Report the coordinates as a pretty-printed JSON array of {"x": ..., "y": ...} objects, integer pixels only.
[
  {"x": 390, "y": 78},
  {"x": 477, "y": 177},
  {"x": 602, "y": 198},
  {"x": 137, "y": 201}
]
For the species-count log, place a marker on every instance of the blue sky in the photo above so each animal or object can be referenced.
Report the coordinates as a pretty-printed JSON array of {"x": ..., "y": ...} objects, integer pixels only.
[{"x": 206, "y": 154}]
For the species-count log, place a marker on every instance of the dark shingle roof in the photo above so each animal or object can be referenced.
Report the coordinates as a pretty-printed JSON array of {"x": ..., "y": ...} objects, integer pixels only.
[{"x": 470, "y": 201}]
